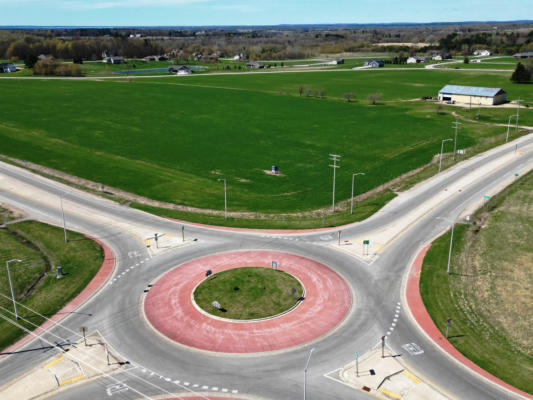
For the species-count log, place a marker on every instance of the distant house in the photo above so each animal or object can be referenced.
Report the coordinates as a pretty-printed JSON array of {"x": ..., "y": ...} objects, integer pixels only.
[
  {"x": 7, "y": 68},
  {"x": 150, "y": 58},
  {"x": 524, "y": 54},
  {"x": 338, "y": 61},
  {"x": 416, "y": 60},
  {"x": 180, "y": 69},
  {"x": 255, "y": 64},
  {"x": 114, "y": 60},
  {"x": 135, "y": 35},
  {"x": 441, "y": 55},
  {"x": 374, "y": 63},
  {"x": 472, "y": 95},
  {"x": 475, "y": 60},
  {"x": 482, "y": 53},
  {"x": 162, "y": 58}
]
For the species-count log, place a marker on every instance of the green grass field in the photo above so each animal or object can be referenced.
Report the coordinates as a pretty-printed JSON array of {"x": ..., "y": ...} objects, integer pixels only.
[
  {"x": 172, "y": 139},
  {"x": 488, "y": 293},
  {"x": 248, "y": 293},
  {"x": 41, "y": 248}
]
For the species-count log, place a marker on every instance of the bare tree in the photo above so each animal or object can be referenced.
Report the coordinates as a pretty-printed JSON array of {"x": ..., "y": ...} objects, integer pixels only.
[
  {"x": 349, "y": 96},
  {"x": 374, "y": 98}
]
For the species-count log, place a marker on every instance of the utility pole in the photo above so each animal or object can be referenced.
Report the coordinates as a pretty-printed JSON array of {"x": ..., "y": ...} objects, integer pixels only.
[
  {"x": 11, "y": 285},
  {"x": 383, "y": 347},
  {"x": 441, "y": 149},
  {"x": 456, "y": 125},
  {"x": 517, "y": 114},
  {"x": 351, "y": 203},
  {"x": 63, "y": 215},
  {"x": 508, "y": 126},
  {"x": 448, "y": 324},
  {"x": 225, "y": 199},
  {"x": 334, "y": 158}
]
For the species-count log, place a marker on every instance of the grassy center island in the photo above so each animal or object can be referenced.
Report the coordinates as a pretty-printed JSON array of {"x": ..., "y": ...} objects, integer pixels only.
[{"x": 248, "y": 293}]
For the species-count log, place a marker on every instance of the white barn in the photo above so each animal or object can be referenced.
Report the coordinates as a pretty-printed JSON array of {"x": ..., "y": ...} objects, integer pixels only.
[{"x": 472, "y": 95}]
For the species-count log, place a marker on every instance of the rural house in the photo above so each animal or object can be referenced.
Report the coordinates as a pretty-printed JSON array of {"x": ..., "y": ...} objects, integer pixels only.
[
  {"x": 472, "y": 95},
  {"x": 180, "y": 69},
  {"x": 441, "y": 55},
  {"x": 374, "y": 63},
  {"x": 7, "y": 67},
  {"x": 114, "y": 60},
  {"x": 482, "y": 53},
  {"x": 255, "y": 64},
  {"x": 524, "y": 54}
]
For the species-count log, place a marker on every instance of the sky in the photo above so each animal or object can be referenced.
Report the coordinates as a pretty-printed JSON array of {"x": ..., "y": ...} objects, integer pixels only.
[{"x": 254, "y": 12}]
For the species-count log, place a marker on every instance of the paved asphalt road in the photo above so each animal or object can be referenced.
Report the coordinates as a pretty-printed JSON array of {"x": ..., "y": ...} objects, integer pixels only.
[{"x": 159, "y": 367}]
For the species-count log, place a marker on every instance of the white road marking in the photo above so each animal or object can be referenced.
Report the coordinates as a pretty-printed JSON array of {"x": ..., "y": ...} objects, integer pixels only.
[
  {"x": 205, "y": 387},
  {"x": 224, "y": 390},
  {"x": 234, "y": 391},
  {"x": 214, "y": 388},
  {"x": 177, "y": 382},
  {"x": 395, "y": 319}
]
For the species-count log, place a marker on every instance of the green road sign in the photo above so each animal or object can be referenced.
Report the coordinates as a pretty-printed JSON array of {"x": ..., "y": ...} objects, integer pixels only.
[
  {"x": 486, "y": 196},
  {"x": 516, "y": 174},
  {"x": 366, "y": 241}
]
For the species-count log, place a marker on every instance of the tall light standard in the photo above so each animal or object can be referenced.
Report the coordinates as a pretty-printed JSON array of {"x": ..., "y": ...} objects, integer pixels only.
[
  {"x": 225, "y": 199},
  {"x": 305, "y": 372},
  {"x": 517, "y": 114},
  {"x": 353, "y": 177},
  {"x": 441, "y": 149},
  {"x": 63, "y": 215},
  {"x": 451, "y": 243},
  {"x": 11, "y": 285},
  {"x": 508, "y": 125},
  {"x": 334, "y": 158},
  {"x": 456, "y": 126}
]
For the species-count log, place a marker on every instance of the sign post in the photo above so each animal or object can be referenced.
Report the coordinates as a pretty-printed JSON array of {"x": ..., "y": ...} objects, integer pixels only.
[
  {"x": 83, "y": 330},
  {"x": 448, "y": 325},
  {"x": 366, "y": 243},
  {"x": 340, "y": 238},
  {"x": 357, "y": 364},
  {"x": 383, "y": 347},
  {"x": 275, "y": 264},
  {"x": 183, "y": 233}
]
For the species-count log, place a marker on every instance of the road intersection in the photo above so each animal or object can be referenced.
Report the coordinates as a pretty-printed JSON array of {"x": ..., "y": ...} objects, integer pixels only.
[{"x": 157, "y": 367}]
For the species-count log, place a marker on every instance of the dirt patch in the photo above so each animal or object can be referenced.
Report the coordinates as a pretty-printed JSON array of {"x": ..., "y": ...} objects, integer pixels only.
[{"x": 270, "y": 172}]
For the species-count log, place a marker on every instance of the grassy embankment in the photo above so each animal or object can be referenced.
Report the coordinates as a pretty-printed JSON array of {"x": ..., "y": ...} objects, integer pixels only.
[
  {"x": 489, "y": 293},
  {"x": 248, "y": 293},
  {"x": 171, "y": 140},
  {"x": 41, "y": 248}
]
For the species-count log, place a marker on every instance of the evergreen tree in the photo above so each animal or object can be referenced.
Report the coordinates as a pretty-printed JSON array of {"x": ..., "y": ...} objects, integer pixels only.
[{"x": 521, "y": 74}]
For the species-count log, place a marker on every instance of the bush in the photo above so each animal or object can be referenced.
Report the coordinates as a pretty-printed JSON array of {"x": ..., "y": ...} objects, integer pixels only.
[
  {"x": 521, "y": 74},
  {"x": 52, "y": 67}
]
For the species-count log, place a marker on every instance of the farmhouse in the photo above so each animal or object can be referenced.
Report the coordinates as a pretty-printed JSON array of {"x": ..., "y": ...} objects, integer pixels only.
[
  {"x": 416, "y": 60},
  {"x": 441, "y": 55},
  {"x": 374, "y": 63},
  {"x": 114, "y": 60},
  {"x": 338, "y": 61},
  {"x": 482, "y": 53},
  {"x": 7, "y": 67},
  {"x": 180, "y": 69},
  {"x": 472, "y": 95}
]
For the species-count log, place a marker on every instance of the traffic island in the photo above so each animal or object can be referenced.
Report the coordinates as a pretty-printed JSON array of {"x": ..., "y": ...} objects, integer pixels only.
[{"x": 383, "y": 375}]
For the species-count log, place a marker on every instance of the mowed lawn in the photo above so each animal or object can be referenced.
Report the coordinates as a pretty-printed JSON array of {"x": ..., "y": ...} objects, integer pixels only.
[{"x": 171, "y": 140}]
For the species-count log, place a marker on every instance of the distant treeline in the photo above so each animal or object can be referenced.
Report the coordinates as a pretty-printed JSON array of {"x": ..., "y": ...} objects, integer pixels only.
[
  {"x": 77, "y": 49},
  {"x": 275, "y": 43}
]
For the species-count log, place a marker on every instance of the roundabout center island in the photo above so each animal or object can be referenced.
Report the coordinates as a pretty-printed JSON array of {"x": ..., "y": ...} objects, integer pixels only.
[{"x": 248, "y": 293}]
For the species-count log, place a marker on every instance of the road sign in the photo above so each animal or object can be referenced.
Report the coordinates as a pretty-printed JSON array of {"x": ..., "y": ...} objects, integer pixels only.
[
  {"x": 274, "y": 264},
  {"x": 516, "y": 174},
  {"x": 486, "y": 196},
  {"x": 367, "y": 242}
]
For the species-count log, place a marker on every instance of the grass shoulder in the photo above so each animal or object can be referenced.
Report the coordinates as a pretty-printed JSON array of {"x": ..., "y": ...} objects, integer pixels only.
[
  {"x": 42, "y": 248},
  {"x": 488, "y": 293}
]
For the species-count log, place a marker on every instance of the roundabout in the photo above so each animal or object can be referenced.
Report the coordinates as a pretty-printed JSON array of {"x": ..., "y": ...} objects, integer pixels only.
[{"x": 170, "y": 309}]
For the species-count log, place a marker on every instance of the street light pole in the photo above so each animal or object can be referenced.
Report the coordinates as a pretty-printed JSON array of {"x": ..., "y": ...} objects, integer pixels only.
[
  {"x": 353, "y": 176},
  {"x": 441, "y": 149},
  {"x": 11, "y": 285},
  {"x": 508, "y": 126},
  {"x": 63, "y": 215},
  {"x": 450, "y": 251},
  {"x": 225, "y": 199},
  {"x": 334, "y": 158},
  {"x": 456, "y": 124},
  {"x": 305, "y": 372},
  {"x": 517, "y": 114}
]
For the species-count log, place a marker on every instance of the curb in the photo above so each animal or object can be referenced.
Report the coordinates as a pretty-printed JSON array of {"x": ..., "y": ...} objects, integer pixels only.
[
  {"x": 425, "y": 323},
  {"x": 85, "y": 295}
]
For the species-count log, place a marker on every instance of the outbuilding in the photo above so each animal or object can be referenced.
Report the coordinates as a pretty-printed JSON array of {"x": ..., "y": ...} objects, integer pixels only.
[
  {"x": 472, "y": 95},
  {"x": 180, "y": 69}
]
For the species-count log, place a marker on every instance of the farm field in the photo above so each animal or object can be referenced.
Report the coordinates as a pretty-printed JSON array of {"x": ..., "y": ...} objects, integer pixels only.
[
  {"x": 488, "y": 293},
  {"x": 172, "y": 139}
]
